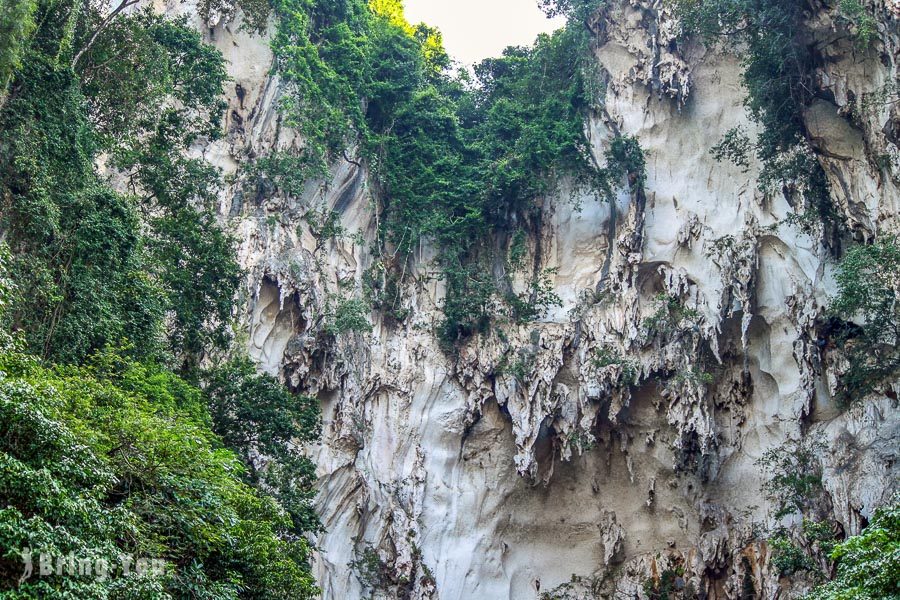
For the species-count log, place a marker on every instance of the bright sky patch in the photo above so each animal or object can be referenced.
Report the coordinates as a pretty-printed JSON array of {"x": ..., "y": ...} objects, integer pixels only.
[{"x": 477, "y": 29}]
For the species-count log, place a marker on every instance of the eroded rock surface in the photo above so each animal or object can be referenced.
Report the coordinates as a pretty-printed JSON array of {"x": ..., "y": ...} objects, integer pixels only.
[{"x": 472, "y": 480}]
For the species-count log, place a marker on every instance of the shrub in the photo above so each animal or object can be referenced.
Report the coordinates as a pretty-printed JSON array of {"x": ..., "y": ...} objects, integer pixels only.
[
  {"x": 605, "y": 357},
  {"x": 787, "y": 558},
  {"x": 94, "y": 266},
  {"x": 695, "y": 376},
  {"x": 668, "y": 586},
  {"x": 868, "y": 280},
  {"x": 537, "y": 300},
  {"x": 861, "y": 21},
  {"x": 325, "y": 224},
  {"x": 670, "y": 317},
  {"x": 868, "y": 565},
  {"x": 795, "y": 483},
  {"x": 350, "y": 314},
  {"x": 735, "y": 147},
  {"x": 372, "y": 571},
  {"x": 16, "y": 24}
]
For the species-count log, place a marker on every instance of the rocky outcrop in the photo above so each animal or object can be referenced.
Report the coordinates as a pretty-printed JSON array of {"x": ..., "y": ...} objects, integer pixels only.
[{"x": 613, "y": 443}]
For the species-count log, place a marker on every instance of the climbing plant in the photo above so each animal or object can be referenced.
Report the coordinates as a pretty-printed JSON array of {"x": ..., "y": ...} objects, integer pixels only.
[{"x": 457, "y": 159}]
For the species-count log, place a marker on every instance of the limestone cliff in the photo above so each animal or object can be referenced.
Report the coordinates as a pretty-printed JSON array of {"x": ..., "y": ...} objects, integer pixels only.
[{"x": 463, "y": 478}]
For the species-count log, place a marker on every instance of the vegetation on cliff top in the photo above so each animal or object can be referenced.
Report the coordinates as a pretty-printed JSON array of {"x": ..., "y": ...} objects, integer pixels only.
[{"x": 457, "y": 159}]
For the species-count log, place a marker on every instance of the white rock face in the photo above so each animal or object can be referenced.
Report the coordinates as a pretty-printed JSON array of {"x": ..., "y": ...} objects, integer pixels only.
[{"x": 470, "y": 482}]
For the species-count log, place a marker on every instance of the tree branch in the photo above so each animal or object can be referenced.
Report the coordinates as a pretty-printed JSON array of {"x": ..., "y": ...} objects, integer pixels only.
[{"x": 103, "y": 25}]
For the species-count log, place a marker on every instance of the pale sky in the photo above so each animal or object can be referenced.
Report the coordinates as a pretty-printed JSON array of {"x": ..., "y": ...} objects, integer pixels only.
[{"x": 477, "y": 29}]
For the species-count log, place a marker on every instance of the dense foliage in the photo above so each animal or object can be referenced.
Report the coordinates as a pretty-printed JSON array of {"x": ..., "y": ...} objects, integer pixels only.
[
  {"x": 16, "y": 24},
  {"x": 266, "y": 426},
  {"x": 104, "y": 449},
  {"x": 118, "y": 457},
  {"x": 120, "y": 430},
  {"x": 95, "y": 266},
  {"x": 794, "y": 488},
  {"x": 868, "y": 281},
  {"x": 795, "y": 477},
  {"x": 868, "y": 565}
]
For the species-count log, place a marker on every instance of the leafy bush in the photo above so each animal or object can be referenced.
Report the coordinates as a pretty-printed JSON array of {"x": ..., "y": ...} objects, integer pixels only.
[
  {"x": 735, "y": 147},
  {"x": 469, "y": 304},
  {"x": 266, "y": 426},
  {"x": 372, "y": 571},
  {"x": 118, "y": 457},
  {"x": 820, "y": 536},
  {"x": 579, "y": 10},
  {"x": 795, "y": 483},
  {"x": 520, "y": 367},
  {"x": 788, "y": 558},
  {"x": 625, "y": 158},
  {"x": 695, "y": 376},
  {"x": 114, "y": 453},
  {"x": 604, "y": 357},
  {"x": 868, "y": 565},
  {"x": 78, "y": 257},
  {"x": 861, "y": 20},
  {"x": 16, "y": 24},
  {"x": 255, "y": 13},
  {"x": 325, "y": 224},
  {"x": 668, "y": 586},
  {"x": 284, "y": 171},
  {"x": 536, "y": 300},
  {"x": 196, "y": 265},
  {"x": 670, "y": 317},
  {"x": 868, "y": 280},
  {"x": 795, "y": 487},
  {"x": 350, "y": 314},
  {"x": 382, "y": 288}
]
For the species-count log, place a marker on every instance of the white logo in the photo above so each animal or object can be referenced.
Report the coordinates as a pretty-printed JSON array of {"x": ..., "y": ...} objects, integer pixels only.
[{"x": 70, "y": 565}]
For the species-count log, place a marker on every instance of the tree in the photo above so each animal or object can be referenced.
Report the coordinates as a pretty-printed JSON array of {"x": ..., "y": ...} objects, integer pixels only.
[
  {"x": 95, "y": 266},
  {"x": 79, "y": 258},
  {"x": 266, "y": 426},
  {"x": 118, "y": 457}
]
